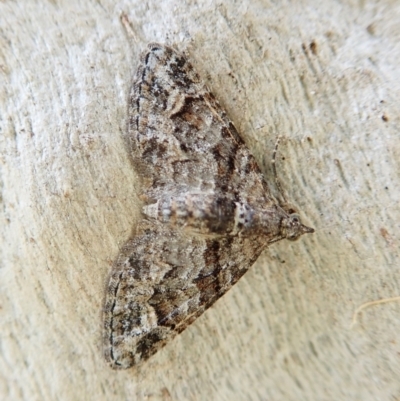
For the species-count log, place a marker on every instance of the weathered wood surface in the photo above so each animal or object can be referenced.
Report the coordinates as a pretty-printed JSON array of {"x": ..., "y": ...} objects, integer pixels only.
[{"x": 325, "y": 76}]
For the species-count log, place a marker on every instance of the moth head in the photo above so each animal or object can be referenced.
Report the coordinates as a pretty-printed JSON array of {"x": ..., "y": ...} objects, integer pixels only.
[{"x": 293, "y": 228}]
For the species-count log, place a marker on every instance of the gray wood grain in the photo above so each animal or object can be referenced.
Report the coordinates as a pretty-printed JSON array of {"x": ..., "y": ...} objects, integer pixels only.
[{"x": 325, "y": 76}]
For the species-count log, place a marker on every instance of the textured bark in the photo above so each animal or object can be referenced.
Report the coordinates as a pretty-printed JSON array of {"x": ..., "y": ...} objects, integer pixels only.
[{"x": 324, "y": 76}]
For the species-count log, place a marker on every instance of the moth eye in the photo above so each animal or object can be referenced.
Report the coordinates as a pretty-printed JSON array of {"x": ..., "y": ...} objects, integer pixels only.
[{"x": 295, "y": 218}]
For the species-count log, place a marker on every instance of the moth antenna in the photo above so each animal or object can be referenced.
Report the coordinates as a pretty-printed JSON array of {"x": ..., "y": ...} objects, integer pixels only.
[
  {"x": 126, "y": 23},
  {"x": 277, "y": 182}
]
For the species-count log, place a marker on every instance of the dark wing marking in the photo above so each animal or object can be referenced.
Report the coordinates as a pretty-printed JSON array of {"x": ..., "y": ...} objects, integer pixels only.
[
  {"x": 151, "y": 300},
  {"x": 181, "y": 138}
]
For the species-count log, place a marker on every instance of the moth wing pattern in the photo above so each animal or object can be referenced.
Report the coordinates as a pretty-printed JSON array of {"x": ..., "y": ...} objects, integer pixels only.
[
  {"x": 181, "y": 142},
  {"x": 181, "y": 138},
  {"x": 207, "y": 210},
  {"x": 151, "y": 300}
]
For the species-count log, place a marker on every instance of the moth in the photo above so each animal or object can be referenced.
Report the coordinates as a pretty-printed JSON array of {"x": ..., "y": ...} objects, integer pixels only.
[{"x": 207, "y": 211}]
